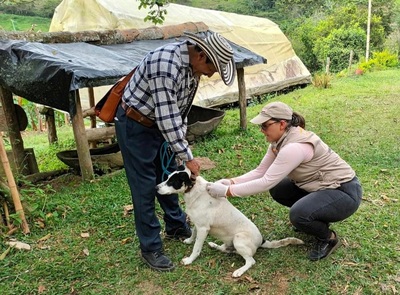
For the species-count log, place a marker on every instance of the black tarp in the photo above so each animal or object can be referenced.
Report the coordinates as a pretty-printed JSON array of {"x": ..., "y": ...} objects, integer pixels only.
[{"x": 49, "y": 74}]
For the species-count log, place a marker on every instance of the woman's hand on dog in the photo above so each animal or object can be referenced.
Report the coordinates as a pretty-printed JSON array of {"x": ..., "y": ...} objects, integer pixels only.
[
  {"x": 217, "y": 190},
  {"x": 224, "y": 181}
]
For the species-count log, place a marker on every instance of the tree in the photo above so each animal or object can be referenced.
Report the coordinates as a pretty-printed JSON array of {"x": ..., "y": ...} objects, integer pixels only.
[{"x": 338, "y": 44}]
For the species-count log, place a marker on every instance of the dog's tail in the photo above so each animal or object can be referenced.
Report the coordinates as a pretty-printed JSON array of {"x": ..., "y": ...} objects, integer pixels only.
[{"x": 281, "y": 243}]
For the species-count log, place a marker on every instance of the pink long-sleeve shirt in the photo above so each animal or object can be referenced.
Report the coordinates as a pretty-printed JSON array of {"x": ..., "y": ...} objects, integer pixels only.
[{"x": 272, "y": 169}]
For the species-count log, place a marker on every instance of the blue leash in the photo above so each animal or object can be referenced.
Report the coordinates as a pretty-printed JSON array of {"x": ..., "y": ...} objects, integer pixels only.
[{"x": 166, "y": 157}]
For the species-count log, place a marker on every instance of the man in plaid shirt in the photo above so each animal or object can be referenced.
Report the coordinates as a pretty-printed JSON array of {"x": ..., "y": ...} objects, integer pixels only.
[{"x": 160, "y": 94}]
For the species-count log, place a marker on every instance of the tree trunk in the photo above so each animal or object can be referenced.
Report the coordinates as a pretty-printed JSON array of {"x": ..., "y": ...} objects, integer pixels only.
[{"x": 51, "y": 126}]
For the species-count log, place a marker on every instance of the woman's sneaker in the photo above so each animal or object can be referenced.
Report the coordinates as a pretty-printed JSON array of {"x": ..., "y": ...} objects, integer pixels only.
[{"x": 324, "y": 248}]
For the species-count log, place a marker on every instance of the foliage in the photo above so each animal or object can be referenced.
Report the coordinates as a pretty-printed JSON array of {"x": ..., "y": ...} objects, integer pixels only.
[
  {"x": 30, "y": 7},
  {"x": 322, "y": 80},
  {"x": 155, "y": 15},
  {"x": 380, "y": 61},
  {"x": 106, "y": 259},
  {"x": 303, "y": 42},
  {"x": 337, "y": 46},
  {"x": 334, "y": 35},
  {"x": 13, "y": 22}
]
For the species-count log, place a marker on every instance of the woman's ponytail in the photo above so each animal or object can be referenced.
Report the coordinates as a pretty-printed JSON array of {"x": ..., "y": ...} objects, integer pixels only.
[{"x": 298, "y": 120}]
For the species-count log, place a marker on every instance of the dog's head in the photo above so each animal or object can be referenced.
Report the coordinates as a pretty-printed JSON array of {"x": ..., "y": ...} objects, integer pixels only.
[{"x": 178, "y": 182}]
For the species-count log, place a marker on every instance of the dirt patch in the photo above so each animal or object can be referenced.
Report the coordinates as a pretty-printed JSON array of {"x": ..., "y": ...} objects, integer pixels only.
[
  {"x": 68, "y": 179},
  {"x": 205, "y": 163},
  {"x": 148, "y": 288}
]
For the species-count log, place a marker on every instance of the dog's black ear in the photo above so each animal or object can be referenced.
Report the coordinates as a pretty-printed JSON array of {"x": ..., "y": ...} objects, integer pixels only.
[
  {"x": 181, "y": 168},
  {"x": 185, "y": 178}
]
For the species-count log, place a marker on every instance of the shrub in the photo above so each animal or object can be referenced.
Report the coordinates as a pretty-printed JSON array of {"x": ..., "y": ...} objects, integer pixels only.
[
  {"x": 380, "y": 61},
  {"x": 322, "y": 80}
]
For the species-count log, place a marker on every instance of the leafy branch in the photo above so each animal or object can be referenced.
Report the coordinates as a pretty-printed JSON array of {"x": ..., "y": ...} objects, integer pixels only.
[{"x": 157, "y": 14}]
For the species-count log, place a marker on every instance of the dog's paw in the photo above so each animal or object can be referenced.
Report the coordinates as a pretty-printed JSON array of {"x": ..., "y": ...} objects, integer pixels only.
[
  {"x": 188, "y": 241},
  {"x": 237, "y": 273},
  {"x": 186, "y": 261},
  {"x": 213, "y": 245}
]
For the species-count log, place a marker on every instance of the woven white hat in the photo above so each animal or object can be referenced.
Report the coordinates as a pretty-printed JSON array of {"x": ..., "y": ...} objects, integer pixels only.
[{"x": 219, "y": 52}]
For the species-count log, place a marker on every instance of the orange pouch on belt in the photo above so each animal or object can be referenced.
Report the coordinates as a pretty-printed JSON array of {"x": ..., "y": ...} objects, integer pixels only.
[{"x": 106, "y": 108}]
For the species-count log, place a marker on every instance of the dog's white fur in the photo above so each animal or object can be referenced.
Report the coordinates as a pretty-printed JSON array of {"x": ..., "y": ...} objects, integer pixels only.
[{"x": 219, "y": 218}]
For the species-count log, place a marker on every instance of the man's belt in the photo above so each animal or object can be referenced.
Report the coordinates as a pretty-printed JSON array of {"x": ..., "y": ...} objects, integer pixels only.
[{"x": 135, "y": 115}]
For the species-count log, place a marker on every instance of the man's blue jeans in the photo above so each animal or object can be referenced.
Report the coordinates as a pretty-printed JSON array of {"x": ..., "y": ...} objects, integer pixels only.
[{"x": 140, "y": 149}]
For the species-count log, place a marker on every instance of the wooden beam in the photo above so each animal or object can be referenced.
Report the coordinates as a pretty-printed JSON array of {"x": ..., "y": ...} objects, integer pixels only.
[
  {"x": 97, "y": 134},
  {"x": 92, "y": 104},
  {"x": 82, "y": 145},
  {"x": 92, "y": 117},
  {"x": 14, "y": 133},
  {"x": 107, "y": 36},
  {"x": 242, "y": 98}
]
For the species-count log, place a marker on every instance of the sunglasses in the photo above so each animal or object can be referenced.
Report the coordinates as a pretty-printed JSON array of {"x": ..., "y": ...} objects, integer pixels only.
[{"x": 265, "y": 127}]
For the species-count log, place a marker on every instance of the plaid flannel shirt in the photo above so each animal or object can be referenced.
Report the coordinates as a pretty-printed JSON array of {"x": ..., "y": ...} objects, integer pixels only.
[{"x": 161, "y": 89}]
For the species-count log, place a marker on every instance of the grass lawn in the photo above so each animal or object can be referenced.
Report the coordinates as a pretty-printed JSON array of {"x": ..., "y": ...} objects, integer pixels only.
[
  {"x": 13, "y": 22},
  {"x": 358, "y": 117}
]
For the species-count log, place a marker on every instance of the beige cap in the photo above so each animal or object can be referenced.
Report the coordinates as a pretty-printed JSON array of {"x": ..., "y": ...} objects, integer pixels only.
[{"x": 273, "y": 110}]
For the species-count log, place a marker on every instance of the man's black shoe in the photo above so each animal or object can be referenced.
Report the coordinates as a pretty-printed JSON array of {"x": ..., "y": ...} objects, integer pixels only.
[
  {"x": 158, "y": 261},
  {"x": 323, "y": 248},
  {"x": 179, "y": 233}
]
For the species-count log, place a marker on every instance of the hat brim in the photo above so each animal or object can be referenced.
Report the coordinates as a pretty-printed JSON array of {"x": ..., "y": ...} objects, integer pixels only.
[
  {"x": 260, "y": 118},
  {"x": 227, "y": 72}
]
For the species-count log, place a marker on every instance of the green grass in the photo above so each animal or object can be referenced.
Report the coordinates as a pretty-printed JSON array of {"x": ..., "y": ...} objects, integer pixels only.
[
  {"x": 11, "y": 22},
  {"x": 358, "y": 117}
]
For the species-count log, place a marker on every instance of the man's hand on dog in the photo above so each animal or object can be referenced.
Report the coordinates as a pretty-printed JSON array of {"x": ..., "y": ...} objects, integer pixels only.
[
  {"x": 217, "y": 190},
  {"x": 194, "y": 167}
]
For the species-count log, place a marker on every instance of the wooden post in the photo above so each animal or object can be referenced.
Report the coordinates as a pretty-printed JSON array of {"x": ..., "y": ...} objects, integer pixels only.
[
  {"x": 368, "y": 29},
  {"x": 91, "y": 104},
  {"x": 51, "y": 125},
  {"x": 328, "y": 63},
  {"x": 14, "y": 133},
  {"x": 82, "y": 145},
  {"x": 350, "y": 60},
  {"x": 13, "y": 187},
  {"x": 92, "y": 117},
  {"x": 242, "y": 98}
]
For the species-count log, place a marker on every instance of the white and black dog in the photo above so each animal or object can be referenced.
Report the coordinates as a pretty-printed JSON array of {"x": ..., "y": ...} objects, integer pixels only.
[{"x": 219, "y": 218}]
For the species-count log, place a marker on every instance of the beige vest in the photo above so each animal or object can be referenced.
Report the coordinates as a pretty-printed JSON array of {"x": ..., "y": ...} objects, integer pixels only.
[{"x": 325, "y": 170}]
